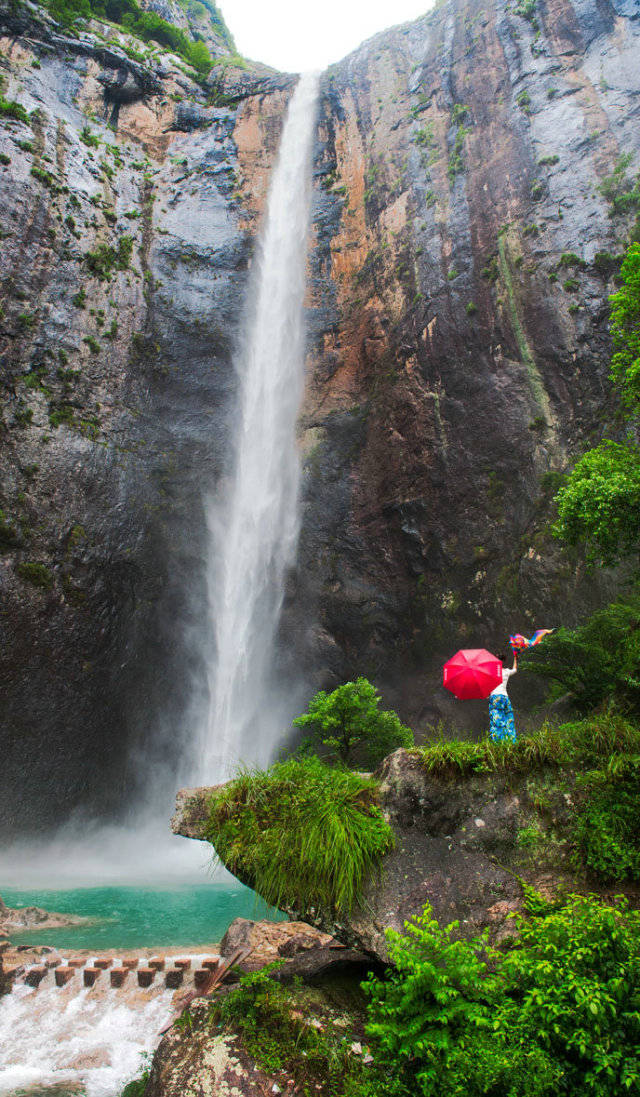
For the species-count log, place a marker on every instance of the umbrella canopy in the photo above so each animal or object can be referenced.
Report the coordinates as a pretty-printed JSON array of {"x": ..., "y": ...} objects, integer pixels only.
[{"x": 472, "y": 673}]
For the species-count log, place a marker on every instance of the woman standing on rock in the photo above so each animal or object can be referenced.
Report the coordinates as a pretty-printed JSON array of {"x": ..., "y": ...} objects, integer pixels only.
[{"x": 501, "y": 721}]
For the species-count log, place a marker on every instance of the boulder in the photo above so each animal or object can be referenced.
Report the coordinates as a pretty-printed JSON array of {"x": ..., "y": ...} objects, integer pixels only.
[
  {"x": 194, "y": 1062},
  {"x": 267, "y": 940}
]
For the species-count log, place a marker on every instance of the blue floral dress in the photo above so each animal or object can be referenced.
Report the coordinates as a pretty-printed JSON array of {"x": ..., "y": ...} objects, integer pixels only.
[{"x": 501, "y": 722}]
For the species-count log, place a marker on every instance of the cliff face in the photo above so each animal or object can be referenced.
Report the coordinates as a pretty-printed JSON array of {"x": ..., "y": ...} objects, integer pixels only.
[
  {"x": 459, "y": 361},
  {"x": 458, "y": 158}
]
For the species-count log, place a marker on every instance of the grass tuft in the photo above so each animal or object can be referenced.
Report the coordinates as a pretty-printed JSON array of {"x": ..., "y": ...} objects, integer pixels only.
[
  {"x": 581, "y": 743},
  {"x": 304, "y": 835}
]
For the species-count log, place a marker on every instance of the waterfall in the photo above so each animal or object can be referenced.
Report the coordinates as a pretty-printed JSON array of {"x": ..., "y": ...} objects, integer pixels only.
[{"x": 254, "y": 527}]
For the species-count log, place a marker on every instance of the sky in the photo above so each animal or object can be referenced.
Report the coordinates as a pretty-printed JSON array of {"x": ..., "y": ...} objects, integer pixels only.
[{"x": 296, "y": 35}]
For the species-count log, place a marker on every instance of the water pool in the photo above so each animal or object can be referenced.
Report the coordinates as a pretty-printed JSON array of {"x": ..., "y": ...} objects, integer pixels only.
[{"x": 140, "y": 917}]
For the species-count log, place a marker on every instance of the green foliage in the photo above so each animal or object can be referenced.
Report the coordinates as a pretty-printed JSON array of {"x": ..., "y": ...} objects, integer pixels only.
[
  {"x": 571, "y": 285},
  {"x": 456, "y": 162},
  {"x": 523, "y": 99},
  {"x": 620, "y": 191},
  {"x": 79, "y": 299},
  {"x": 527, "y": 9},
  {"x": 471, "y": 308},
  {"x": 584, "y": 742},
  {"x": 599, "y": 503},
  {"x": 104, "y": 259},
  {"x": 548, "y": 160},
  {"x": 92, "y": 344},
  {"x": 269, "y": 1017},
  {"x": 596, "y": 662},
  {"x": 10, "y": 109},
  {"x": 570, "y": 259},
  {"x": 625, "y": 329},
  {"x": 303, "y": 834},
  {"x": 349, "y": 722},
  {"x": 46, "y": 178},
  {"x": 559, "y": 1014},
  {"x": 143, "y": 24},
  {"x": 91, "y": 140},
  {"x": 36, "y": 574},
  {"x": 606, "y": 264},
  {"x": 607, "y": 828}
]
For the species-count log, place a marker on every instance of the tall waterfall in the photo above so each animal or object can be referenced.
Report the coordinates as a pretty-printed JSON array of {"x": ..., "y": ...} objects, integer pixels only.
[{"x": 254, "y": 529}]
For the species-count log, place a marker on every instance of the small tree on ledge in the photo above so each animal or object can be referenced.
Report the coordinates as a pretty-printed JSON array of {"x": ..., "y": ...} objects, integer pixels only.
[{"x": 349, "y": 722}]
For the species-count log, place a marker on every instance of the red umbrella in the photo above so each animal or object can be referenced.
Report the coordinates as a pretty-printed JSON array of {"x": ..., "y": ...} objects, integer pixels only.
[{"x": 472, "y": 673}]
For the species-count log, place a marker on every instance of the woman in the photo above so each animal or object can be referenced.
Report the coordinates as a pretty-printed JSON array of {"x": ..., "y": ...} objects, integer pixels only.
[{"x": 501, "y": 722}]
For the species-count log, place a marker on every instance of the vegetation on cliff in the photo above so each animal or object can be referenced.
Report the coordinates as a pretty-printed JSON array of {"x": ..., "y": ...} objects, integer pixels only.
[
  {"x": 302, "y": 834},
  {"x": 599, "y": 505},
  {"x": 558, "y": 1013},
  {"x": 146, "y": 25},
  {"x": 348, "y": 723}
]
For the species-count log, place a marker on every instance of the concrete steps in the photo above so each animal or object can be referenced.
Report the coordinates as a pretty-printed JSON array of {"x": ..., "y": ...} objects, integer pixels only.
[{"x": 168, "y": 971}]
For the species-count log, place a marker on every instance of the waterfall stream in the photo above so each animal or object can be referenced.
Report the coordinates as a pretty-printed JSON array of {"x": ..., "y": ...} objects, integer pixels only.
[{"x": 254, "y": 527}]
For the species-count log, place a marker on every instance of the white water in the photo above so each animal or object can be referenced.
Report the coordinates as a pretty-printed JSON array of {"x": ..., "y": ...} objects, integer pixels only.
[
  {"x": 91, "y": 1039},
  {"x": 254, "y": 528}
]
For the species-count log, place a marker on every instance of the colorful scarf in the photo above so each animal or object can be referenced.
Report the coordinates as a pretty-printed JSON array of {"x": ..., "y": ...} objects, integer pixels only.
[{"x": 520, "y": 643}]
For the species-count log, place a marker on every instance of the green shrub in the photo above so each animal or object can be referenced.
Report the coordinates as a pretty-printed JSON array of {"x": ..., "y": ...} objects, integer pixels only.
[
  {"x": 348, "y": 722},
  {"x": 570, "y": 259},
  {"x": 10, "y": 109},
  {"x": 303, "y": 834},
  {"x": 607, "y": 828},
  {"x": 4, "y": 159},
  {"x": 91, "y": 140},
  {"x": 471, "y": 308},
  {"x": 37, "y": 574},
  {"x": 558, "y": 1015},
  {"x": 46, "y": 178},
  {"x": 607, "y": 264},
  {"x": 571, "y": 285},
  {"x": 104, "y": 259},
  {"x": 523, "y": 99},
  {"x": 548, "y": 160},
  {"x": 596, "y": 662}
]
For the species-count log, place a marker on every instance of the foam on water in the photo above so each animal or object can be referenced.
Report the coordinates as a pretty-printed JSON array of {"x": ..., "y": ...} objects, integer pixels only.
[{"x": 92, "y": 1039}]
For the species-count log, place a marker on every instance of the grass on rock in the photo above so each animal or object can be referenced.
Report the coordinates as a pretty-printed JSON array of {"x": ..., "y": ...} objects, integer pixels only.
[
  {"x": 301, "y": 833},
  {"x": 589, "y": 742}
]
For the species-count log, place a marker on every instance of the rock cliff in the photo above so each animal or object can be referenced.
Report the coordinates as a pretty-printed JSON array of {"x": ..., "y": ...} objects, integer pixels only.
[{"x": 458, "y": 357}]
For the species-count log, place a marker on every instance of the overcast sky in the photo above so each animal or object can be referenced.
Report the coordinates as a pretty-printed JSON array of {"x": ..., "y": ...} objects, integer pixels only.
[{"x": 295, "y": 35}]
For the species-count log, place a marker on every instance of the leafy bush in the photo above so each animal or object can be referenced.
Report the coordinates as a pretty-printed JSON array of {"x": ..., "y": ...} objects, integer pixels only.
[
  {"x": 348, "y": 722},
  {"x": 558, "y": 1014},
  {"x": 37, "y": 574},
  {"x": 301, "y": 833},
  {"x": 625, "y": 329},
  {"x": 598, "y": 661},
  {"x": 607, "y": 829},
  {"x": 104, "y": 259}
]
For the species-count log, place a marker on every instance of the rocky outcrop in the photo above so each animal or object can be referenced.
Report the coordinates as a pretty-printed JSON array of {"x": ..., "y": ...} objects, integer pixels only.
[
  {"x": 457, "y": 362},
  {"x": 457, "y": 848},
  {"x": 21, "y": 918}
]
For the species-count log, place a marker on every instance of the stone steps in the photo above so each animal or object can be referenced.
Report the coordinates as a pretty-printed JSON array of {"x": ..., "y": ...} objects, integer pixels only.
[{"x": 168, "y": 971}]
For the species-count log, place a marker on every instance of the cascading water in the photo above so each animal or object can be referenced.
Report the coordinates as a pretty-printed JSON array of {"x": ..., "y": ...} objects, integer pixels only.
[
  {"x": 89, "y": 1040},
  {"x": 254, "y": 529}
]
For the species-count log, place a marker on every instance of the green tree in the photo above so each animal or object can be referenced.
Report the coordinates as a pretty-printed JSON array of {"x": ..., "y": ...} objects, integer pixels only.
[
  {"x": 596, "y": 662},
  {"x": 349, "y": 722},
  {"x": 625, "y": 329},
  {"x": 599, "y": 504}
]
